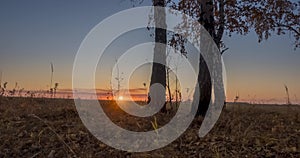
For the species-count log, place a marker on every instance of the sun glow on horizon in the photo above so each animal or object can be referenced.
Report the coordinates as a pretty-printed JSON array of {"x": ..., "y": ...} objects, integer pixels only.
[{"x": 121, "y": 98}]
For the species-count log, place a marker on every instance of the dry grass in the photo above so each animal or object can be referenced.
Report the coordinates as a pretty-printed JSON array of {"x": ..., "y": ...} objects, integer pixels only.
[{"x": 52, "y": 128}]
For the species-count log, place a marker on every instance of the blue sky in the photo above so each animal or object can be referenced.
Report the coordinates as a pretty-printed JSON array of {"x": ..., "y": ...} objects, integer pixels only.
[{"x": 34, "y": 33}]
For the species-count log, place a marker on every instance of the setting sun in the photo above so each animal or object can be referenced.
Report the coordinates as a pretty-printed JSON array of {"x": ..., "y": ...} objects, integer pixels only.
[{"x": 120, "y": 98}]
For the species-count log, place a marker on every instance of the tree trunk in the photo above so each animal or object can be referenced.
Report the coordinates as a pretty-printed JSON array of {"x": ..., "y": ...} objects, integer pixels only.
[
  {"x": 204, "y": 79},
  {"x": 158, "y": 69},
  {"x": 168, "y": 87},
  {"x": 205, "y": 86}
]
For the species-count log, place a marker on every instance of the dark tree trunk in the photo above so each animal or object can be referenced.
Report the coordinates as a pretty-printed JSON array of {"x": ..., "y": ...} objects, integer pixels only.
[
  {"x": 205, "y": 86},
  {"x": 204, "y": 79},
  {"x": 158, "y": 69}
]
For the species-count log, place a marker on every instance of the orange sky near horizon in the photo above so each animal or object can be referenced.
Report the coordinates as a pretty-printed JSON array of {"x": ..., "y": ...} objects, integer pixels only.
[{"x": 36, "y": 34}]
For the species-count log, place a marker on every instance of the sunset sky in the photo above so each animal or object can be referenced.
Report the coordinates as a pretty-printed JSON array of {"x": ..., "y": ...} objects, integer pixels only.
[{"x": 34, "y": 33}]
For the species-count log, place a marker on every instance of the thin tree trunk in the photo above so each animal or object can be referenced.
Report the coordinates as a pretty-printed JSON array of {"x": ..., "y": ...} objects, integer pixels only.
[
  {"x": 168, "y": 86},
  {"x": 158, "y": 69},
  {"x": 176, "y": 90}
]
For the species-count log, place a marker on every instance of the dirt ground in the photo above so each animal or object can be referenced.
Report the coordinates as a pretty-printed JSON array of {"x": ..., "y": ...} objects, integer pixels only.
[{"x": 52, "y": 128}]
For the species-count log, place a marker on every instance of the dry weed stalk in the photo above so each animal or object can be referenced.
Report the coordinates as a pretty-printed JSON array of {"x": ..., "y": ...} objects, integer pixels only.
[
  {"x": 52, "y": 129},
  {"x": 288, "y": 102},
  {"x": 155, "y": 125}
]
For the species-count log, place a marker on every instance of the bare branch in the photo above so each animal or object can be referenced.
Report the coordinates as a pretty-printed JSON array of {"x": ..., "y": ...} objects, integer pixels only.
[{"x": 224, "y": 50}]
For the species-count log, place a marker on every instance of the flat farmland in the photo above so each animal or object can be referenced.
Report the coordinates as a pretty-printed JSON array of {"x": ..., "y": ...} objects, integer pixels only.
[{"x": 32, "y": 127}]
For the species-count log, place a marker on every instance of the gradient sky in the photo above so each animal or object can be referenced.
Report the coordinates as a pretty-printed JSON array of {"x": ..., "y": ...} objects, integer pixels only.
[{"x": 34, "y": 33}]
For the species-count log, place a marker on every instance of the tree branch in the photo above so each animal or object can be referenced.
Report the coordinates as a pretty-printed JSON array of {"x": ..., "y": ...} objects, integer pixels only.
[
  {"x": 221, "y": 28},
  {"x": 224, "y": 50},
  {"x": 289, "y": 28}
]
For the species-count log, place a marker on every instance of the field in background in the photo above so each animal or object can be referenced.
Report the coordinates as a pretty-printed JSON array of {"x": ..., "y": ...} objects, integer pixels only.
[{"x": 52, "y": 128}]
